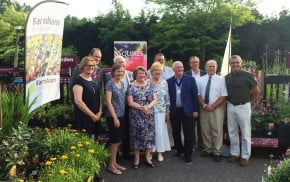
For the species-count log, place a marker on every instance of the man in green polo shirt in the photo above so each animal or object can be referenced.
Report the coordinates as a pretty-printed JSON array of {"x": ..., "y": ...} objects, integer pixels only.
[{"x": 242, "y": 90}]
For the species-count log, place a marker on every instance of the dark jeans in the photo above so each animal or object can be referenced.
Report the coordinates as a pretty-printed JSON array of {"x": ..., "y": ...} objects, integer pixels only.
[
  {"x": 180, "y": 119},
  {"x": 126, "y": 135},
  {"x": 196, "y": 127}
]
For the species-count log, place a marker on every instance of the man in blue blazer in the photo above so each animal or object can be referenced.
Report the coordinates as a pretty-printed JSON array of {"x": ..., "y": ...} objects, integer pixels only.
[{"x": 183, "y": 108}]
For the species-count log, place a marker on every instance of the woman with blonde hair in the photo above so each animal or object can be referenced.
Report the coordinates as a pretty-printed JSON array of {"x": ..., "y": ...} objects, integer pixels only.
[{"x": 161, "y": 110}]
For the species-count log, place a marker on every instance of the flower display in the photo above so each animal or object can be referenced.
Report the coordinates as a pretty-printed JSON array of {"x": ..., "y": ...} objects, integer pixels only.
[
  {"x": 48, "y": 163},
  {"x": 62, "y": 172},
  {"x": 63, "y": 157},
  {"x": 91, "y": 151}
]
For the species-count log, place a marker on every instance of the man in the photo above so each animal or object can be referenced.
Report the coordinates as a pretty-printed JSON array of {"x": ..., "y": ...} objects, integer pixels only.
[
  {"x": 167, "y": 71},
  {"x": 196, "y": 73},
  {"x": 242, "y": 88},
  {"x": 127, "y": 79},
  {"x": 183, "y": 108},
  {"x": 212, "y": 95}
]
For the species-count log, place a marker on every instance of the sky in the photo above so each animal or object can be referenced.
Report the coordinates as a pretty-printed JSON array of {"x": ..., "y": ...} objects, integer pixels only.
[{"x": 92, "y": 8}]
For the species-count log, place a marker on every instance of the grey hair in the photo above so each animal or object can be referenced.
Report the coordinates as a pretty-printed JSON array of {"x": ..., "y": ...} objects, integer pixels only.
[
  {"x": 176, "y": 62},
  {"x": 118, "y": 57}
]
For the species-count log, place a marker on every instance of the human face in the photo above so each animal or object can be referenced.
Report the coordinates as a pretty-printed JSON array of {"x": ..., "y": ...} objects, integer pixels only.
[
  {"x": 119, "y": 73},
  {"x": 97, "y": 55},
  {"x": 160, "y": 59},
  {"x": 141, "y": 76},
  {"x": 121, "y": 62},
  {"x": 90, "y": 67},
  {"x": 156, "y": 73},
  {"x": 236, "y": 65},
  {"x": 178, "y": 69},
  {"x": 194, "y": 64},
  {"x": 211, "y": 68}
]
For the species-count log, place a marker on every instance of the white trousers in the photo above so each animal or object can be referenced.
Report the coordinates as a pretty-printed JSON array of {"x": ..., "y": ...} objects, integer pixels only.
[
  {"x": 239, "y": 117},
  {"x": 162, "y": 142}
]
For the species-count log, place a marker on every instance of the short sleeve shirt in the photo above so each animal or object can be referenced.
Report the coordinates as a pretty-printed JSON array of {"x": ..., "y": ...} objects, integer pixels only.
[
  {"x": 118, "y": 98},
  {"x": 239, "y": 86}
]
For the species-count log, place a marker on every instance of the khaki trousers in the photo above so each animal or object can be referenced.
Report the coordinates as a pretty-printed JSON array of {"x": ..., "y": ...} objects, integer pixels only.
[{"x": 212, "y": 129}]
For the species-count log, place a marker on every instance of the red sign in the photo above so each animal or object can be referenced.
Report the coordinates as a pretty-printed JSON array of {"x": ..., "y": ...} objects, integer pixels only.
[
  {"x": 7, "y": 71},
  {"x": 67, "y": 64},
  {"x": 288, "y": 60}
]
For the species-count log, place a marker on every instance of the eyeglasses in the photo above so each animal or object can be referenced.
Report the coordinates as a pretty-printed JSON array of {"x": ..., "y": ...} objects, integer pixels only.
[{"x": 91, "y": 65}]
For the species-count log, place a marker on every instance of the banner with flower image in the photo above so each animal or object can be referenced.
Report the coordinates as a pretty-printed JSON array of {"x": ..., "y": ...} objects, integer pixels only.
[
  {"x": 135, "y": 53},
  {"x": 43, "y": 45}
]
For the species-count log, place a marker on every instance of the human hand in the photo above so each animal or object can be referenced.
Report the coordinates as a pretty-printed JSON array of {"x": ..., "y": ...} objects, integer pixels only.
[{"x": 116, "y": 123}]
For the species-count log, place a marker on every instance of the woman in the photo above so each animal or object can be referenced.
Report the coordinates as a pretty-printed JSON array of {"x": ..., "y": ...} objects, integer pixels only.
[
  {"x": 161, "y": 110},
  {"x": 115, "y": 99},
  {"x": 86, "y": 98},
  {"x": 141, "y": 98}
]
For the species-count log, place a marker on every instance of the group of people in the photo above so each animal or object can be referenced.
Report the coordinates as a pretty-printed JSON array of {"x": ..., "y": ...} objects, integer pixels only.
[{"x": 146, "y": 109}]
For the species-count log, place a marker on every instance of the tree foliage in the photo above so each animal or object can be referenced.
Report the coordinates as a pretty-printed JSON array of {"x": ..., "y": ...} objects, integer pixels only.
[{"x": 9, "y": 19}]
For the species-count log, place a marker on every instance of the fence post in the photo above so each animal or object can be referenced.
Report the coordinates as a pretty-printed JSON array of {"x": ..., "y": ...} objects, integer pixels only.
[{"x": 0, "y": 107}]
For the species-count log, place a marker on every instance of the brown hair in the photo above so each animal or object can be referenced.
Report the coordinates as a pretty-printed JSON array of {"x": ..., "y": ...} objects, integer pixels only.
[
  {"x": 138, "y": 68},
  {"x": 116, "y": 67},
  {"x": 85, "y": 61}
]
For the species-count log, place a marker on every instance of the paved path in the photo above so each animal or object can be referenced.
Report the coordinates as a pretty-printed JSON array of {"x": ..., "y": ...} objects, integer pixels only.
[{"x": 201, "y": 170}]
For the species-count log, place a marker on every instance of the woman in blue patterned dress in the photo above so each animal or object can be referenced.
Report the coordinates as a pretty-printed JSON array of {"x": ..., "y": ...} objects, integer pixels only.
[
  {"x": 141, "y": 99},
  {"x": 161, "y": 111}
]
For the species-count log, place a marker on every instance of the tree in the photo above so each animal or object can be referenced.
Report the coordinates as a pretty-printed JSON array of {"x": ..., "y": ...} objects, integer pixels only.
[
  {"x": 8, "y": 21},
  {"x": 198, "y": 27}
]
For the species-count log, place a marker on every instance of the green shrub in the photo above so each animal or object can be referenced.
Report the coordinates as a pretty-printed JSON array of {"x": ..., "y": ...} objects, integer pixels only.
[
  {"x": 281, "y": 173},
  {"x": 14, "y": 149},
  {"x": 52, "y": 116},
  {"x": 70, "y": 156},
  {"x": 14, "y": 111}
]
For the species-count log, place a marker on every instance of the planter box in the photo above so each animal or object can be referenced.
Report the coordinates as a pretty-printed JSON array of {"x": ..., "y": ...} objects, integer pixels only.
[{"x": 284, "y": 135}]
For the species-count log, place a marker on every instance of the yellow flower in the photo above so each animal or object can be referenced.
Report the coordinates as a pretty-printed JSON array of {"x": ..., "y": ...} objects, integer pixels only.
[
  {"x": 76, "y": 133},
  {"x": 62, "y": 171},
  {"x": 63, "y": 157},
  {"x": 12, "y": 171},
  {"x": 21, "y": 180},
  {"x": 49, "y": 174},
  {"x": 83, "y": 130},
  {"x": 87, "y": 143},
  {"x": 77, "y": 155},
  {"x": 53, "y": 158},
  {"x": 80, "y": 144},
  {"x": 91, "y": 151},
  {"x": 48, "y": 163},
  {"x": 73, "y": 147}
]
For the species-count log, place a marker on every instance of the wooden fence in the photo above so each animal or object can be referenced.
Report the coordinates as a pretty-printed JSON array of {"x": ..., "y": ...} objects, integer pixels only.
[{"x": 276, "y": 87}]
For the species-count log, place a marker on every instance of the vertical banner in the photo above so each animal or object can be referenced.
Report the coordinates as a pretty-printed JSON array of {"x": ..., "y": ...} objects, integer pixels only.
[
  {"x": 225, "y": 68},
  {"x": 43, "y": 45},
  {"x": 135, "y": 53}
]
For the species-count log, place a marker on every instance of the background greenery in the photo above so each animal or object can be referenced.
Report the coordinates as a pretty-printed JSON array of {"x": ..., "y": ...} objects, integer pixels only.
[{"x": 179, "y": 29}]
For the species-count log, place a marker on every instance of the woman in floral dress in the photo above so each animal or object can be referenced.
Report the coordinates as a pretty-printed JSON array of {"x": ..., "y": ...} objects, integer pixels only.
[{"x": 141, "y": 99}]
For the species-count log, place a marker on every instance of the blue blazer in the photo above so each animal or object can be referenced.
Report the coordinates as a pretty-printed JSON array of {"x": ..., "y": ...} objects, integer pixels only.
[{"x": 188, "y": 95}]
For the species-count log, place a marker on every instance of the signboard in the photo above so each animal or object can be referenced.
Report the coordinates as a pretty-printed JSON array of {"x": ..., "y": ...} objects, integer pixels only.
[
  {"x": 135, "y": 53},
  {"x": 43, "y": 45},
  {"x": 67, "y": 64}
]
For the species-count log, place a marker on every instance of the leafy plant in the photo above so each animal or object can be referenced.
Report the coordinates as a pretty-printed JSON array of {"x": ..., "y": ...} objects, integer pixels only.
[
  {"x": 263, "y": 113},
  {"x": 14, "y": 110},
  {"x": 14, "y": 148},
  {"x": 52, "y": 116},
  {"x": 70, "y": 156},
  {"x": 279, "y": 170}
]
